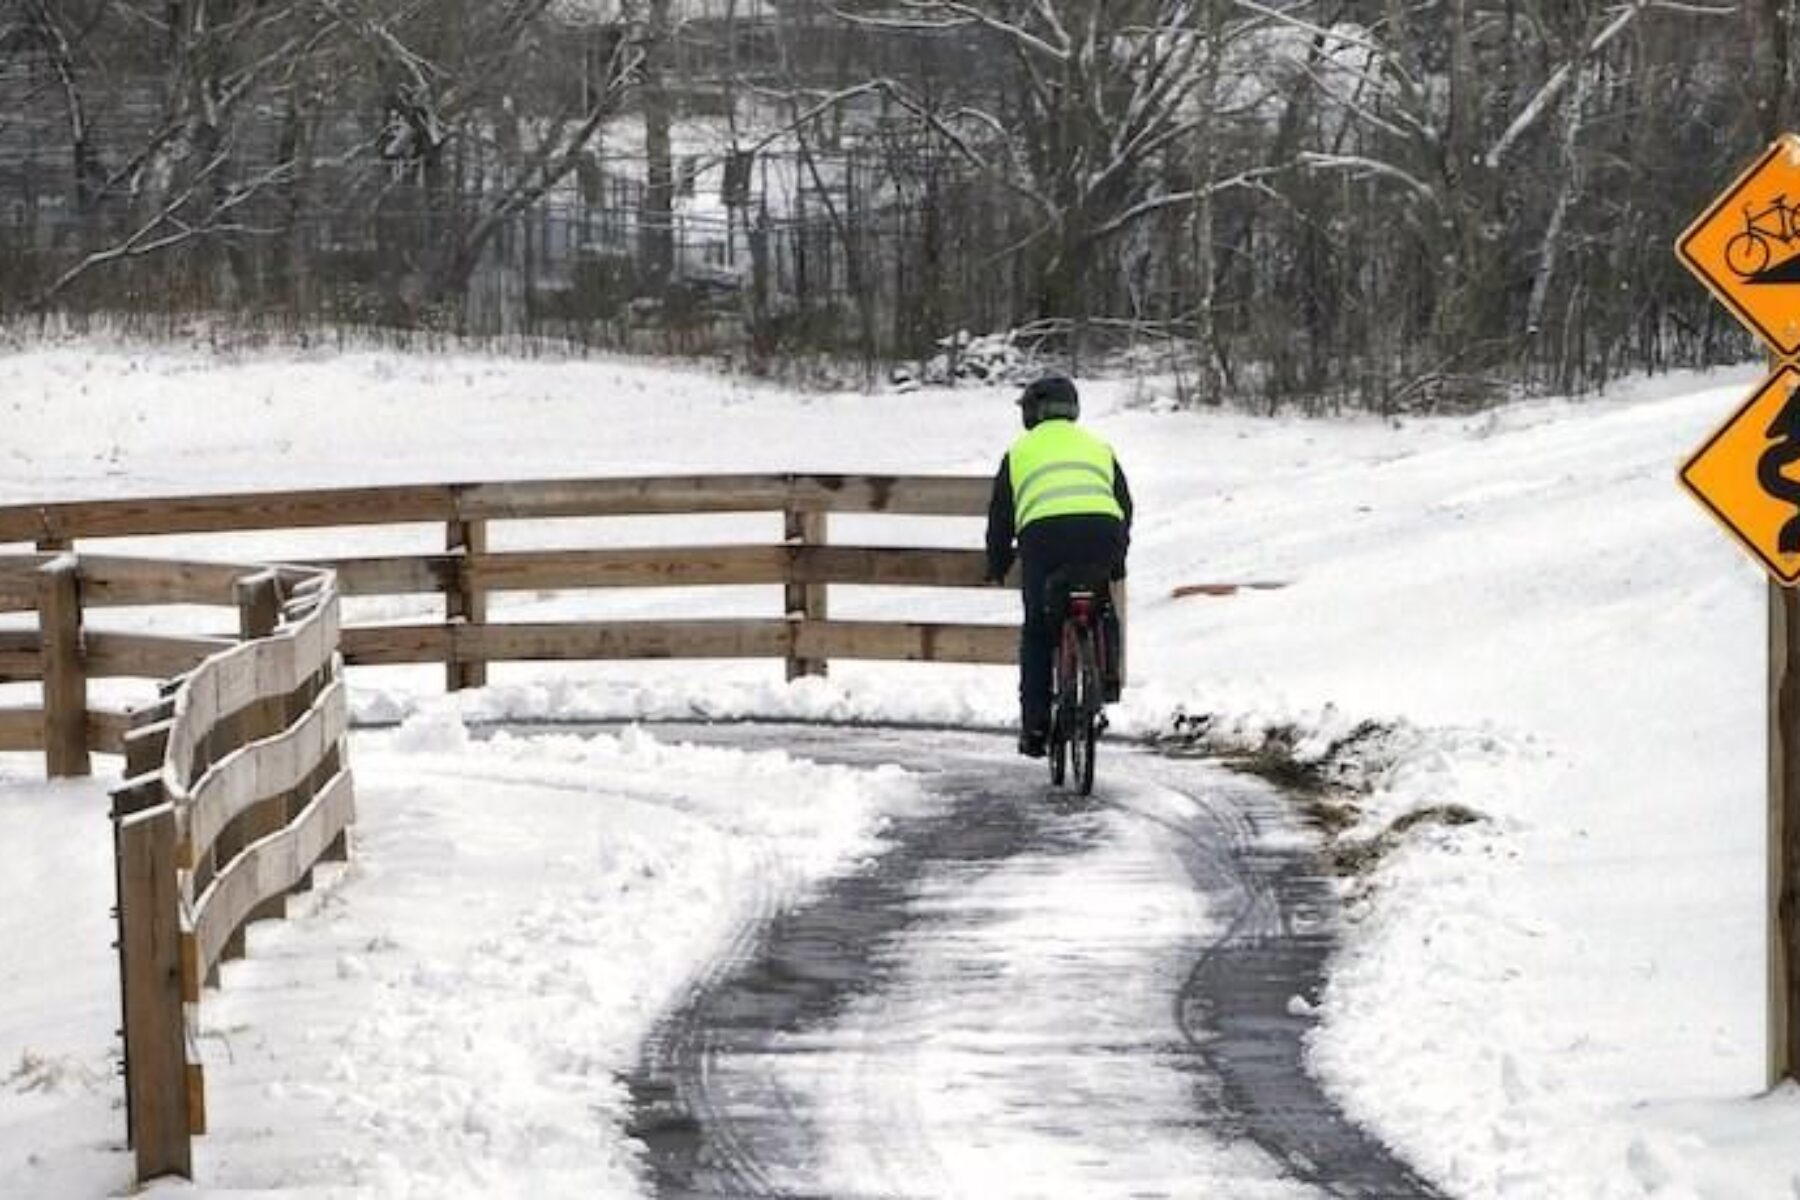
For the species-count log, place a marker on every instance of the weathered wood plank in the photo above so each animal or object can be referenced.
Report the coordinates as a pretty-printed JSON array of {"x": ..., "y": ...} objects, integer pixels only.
[
  {"x": 268, "y": 868},
  {"x": 108, "y": 581},
  {"x": 900, "y": 495},
  {"x": 196, "y": 1098},
  {"x": 1783, "y": 834},
  {"x": 113, "y": 655},
  {"x": 422, "y": 574},
  {"x": 21, "y": 729},
  {"x": 465, "y": 602},
  {"x": 146, "y": 745},
  {"x": 21, "y": 655},
  {"x": 64, "y": 669},
  {"x": 915, "y": 495},
  {"x": 18, "y": 581},
  {"x": 106, "y": 731},
  {"x": 393, "y": 645},
  {"x": 139, "y": 792},
  {"x": 264, "y": 769},
  {"x": 240, "y": 676},
  {"x": 155, "y": 1035},
  {"x": 666, "y": 566},
  {"x": 259, "y": 612},
  {"x": 889, "y": 566},
  {"x": 623, "y": 640},
  {"x": 650, "y": 495},
  {"x": 225, "y": 512},
  {"x": 908, "y": 642},
  {"x": 387, "y": 645},
  {"x": 804, "y": 601},
  {"x": 661, "y": 566}
]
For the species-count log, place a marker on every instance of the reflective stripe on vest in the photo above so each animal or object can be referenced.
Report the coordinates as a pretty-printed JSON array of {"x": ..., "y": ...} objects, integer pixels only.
[{"x": 1058, "y": 470}]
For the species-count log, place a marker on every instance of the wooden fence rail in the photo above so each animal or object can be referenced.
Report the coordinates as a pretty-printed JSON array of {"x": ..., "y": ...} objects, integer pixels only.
[
  {"x": 61, "y": 525},
  {"x": 466, "y": 572}
]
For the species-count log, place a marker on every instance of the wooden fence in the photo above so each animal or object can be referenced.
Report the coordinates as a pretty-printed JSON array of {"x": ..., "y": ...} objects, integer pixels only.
[
  {"x": 466, "y": 573},
  {"x": 236, "y": 783}
]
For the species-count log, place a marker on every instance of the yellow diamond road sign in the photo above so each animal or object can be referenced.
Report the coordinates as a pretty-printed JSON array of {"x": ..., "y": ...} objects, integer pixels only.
[
  {"x": 1748, "y": 475},
  {"x": 1746, "y": 247}
]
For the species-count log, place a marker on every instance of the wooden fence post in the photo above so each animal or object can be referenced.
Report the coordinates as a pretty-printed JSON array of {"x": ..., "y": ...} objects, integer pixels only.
[
  {"x": 65, "y": 679},
  {"x": 805, "y": 601},
  {"x": 465, "y": 602},
  {"x": 259, "y": 612},
  {"x": 157, "y": 1074},
  {"x": 1784, "y": 834}
]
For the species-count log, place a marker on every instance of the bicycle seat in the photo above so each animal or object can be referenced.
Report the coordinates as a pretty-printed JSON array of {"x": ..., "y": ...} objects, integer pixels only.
[{"x": 1079, "y": 579}]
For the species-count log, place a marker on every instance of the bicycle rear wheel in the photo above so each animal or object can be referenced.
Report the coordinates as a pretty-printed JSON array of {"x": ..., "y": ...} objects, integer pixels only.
[
  {"x": 1083, "y": 747},
  {"x": 1084, "y": 714},
  {"x": 1062, "y": 725}
]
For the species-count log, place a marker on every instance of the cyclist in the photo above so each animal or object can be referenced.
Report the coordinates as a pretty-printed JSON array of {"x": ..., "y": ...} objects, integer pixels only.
[{"x": 1061, "y": 495}]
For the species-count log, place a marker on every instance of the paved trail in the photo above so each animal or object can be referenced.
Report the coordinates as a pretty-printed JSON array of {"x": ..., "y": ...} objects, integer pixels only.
[{"x": 1028, "y": 995}]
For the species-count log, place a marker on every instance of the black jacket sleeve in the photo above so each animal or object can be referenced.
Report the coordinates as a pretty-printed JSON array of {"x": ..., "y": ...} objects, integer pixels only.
[
  {"x": 1122, "y": 493},
  {"x": 1000, "y": 523}
]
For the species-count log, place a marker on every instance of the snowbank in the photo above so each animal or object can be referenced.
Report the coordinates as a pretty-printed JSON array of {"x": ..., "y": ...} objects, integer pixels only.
[{"x": 1561, "y": 998}]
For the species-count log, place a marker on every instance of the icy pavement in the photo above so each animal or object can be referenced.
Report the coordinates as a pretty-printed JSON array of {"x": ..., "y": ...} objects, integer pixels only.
[{"x": 1007, "y": 1003}]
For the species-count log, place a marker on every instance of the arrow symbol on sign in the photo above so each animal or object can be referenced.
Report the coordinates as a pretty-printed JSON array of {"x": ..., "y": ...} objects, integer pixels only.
[{"x": 1771, "y": 469}]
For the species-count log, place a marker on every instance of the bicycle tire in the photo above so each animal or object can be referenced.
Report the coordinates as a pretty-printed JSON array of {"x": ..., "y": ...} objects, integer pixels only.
[
  {"x": 1061, "y": 711},
  {"x": 1081, "y": 760},
  {"x": 1058, "y": 733},
  {"x": 1747, "y": 254},
  {"x": 1084, "y": 737}
]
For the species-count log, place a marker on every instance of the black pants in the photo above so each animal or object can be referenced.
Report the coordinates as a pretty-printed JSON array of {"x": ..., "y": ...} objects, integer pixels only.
[{"x": 1045, "y": 547}]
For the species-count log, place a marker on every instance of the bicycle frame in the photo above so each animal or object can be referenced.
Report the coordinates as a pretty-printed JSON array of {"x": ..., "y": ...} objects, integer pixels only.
[
  {"x": 1083, "y": 614},
  {"x": 1778, "y": 220}
]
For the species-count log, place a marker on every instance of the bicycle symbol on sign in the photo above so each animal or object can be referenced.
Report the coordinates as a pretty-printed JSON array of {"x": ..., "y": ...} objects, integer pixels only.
[{"x": 1748, "y": 253}]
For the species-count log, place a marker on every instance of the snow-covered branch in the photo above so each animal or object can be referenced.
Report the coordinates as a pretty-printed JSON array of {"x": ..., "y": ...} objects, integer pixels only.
[
  {"x": 936, "y": 15},
  {"x": 1357, "y": 164},
  {"x": 1155, "y": 204},
  {"x": 1559, "y": 79}
]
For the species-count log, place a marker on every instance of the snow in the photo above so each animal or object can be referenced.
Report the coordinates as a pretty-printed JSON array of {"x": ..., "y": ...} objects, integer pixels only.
[
  {"x": 449, "y": 1014},
  {"x": 1564, "y": 998}
]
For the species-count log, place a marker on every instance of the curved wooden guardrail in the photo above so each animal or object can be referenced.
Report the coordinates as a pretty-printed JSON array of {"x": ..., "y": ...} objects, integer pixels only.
[{"x": 237, "y": 786}]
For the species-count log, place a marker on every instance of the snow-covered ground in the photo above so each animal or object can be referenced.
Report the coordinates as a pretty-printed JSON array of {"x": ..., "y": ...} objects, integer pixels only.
[{"x": 1565, "y": 999}]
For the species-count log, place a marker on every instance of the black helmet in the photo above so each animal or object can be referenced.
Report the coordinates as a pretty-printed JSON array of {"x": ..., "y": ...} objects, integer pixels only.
[{"x": 1050, "y": 398}]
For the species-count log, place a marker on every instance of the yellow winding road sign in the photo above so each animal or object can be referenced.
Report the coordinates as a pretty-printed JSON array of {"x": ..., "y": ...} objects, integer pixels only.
[{"x": 1745, "y": 475}]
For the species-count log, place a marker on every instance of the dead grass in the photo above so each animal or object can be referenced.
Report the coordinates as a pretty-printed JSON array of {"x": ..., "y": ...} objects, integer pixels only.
[{"x": 1326, "y": 788}]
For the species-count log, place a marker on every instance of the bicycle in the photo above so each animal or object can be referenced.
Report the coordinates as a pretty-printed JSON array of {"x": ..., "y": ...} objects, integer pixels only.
[
  {"x": 1749, "y": 252},
  {"x": 1079, "y": 670}
]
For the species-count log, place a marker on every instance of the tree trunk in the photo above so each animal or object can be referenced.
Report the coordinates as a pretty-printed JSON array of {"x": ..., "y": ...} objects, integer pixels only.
[{"x": 656, "y": 238}]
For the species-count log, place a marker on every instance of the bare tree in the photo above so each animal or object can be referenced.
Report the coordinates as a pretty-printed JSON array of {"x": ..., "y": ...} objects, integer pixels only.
[{"x": 1090, "y": 99}]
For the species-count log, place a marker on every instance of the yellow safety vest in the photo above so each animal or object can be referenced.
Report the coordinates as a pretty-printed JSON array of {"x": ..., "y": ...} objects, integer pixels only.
[{"x": 1059, "y": 469}]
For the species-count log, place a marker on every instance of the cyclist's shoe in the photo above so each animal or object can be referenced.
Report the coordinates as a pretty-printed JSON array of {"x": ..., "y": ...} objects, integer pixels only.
[{"x": 1032, "y": 743}]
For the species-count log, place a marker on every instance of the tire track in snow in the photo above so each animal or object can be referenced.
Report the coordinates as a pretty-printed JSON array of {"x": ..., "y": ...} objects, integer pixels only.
[{"x": 812, "y": 1060}]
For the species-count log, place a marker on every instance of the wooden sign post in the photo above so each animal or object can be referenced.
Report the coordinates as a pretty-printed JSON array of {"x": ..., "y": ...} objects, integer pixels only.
[{"x": 1784, "y": 831}]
